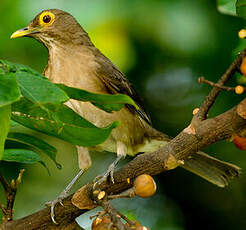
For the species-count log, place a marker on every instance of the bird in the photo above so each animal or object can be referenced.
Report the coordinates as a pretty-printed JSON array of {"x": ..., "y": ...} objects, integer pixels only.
[{"x": 74, "y": 60}]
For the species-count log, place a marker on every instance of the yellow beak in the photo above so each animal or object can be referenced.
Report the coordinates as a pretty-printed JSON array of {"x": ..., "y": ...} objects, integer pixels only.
[{"x": 24, "y": 32}]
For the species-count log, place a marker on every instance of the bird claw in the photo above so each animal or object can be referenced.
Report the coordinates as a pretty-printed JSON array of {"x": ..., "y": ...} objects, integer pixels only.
[
  {"x": 100, "y": 179},
  {"x": 53, "y": 203}
]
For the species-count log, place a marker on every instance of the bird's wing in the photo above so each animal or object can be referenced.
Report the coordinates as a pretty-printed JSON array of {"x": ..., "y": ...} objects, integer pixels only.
[{"x": 116, "y": 83}]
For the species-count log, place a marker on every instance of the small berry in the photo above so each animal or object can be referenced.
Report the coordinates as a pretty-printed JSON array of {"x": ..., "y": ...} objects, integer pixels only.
[
  {"x": 141, "y": 228},
  {"x": 101, "y": 195},
  {"x": 195, "y": 111},
  {"x": 144, "y": 186},
  {"x": 133, "y": 225},
  {"x": 243, "y": 66},
  {"x": 96, "y": 222},
  {"x": 242, "y": 33},
  {"x": 239, "y": 89},
  {"x": 104, "y": 224},
  {"x": 240, "y": 142},
  {"x": 106, "y": 220}
]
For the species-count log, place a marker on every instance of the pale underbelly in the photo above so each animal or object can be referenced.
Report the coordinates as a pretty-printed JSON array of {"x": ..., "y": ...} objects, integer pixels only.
[{"x": 131, "y": 132}]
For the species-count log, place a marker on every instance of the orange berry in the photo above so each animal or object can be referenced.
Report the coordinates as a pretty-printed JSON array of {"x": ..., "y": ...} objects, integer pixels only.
[
  {"x": 141, "y": 228},
  {"x": 106, "y": 220},
  {"x": 144, "y": 186},
  {"x": 134, "y": 224},
  {"x": 195, "y": 111},
  {"x": 239, "y": 89},
  {"x": 240, "y": 142},
  {"x": 243, "y": 66},
  {"x": 96, "y": 222},
  {"x": 242, "y": 33}
]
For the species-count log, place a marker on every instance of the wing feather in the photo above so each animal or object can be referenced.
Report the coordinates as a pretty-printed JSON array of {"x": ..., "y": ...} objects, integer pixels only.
[{"x": 116, "y": 83}]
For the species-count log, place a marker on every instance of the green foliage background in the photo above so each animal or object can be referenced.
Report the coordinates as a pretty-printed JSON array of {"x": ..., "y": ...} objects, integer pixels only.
[{"x": 162, "y": 46}]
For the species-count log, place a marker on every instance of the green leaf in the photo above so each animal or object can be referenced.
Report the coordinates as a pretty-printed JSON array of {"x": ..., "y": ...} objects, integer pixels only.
[
  {"x": 7, "y": 66},
  {"x": 34, "y": 86},
  {"x": 130, "y": 215},
  {"x": 227, "y": 7},
  {"x": 106, "y": 102},
  {"x": 5, "y": 114},
  {"x": 40, "y": 90},
  {"x": 35, "y": 144},
  {"x": 109, "y": 107},
  {"x": 60, "y": 121},
  {"x": 9, "y": 89},
  {"x": 23, "y": 156},
  {"x": 241, "y": 8},
  {"x": 14, "y": 124}
]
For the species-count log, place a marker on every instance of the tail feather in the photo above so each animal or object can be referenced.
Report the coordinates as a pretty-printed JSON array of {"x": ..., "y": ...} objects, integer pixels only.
[{"x": 211, "y": 169}]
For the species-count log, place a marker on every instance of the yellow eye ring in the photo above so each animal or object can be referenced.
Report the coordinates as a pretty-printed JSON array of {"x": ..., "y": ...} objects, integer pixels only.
[{"x": 46, "y": 18}]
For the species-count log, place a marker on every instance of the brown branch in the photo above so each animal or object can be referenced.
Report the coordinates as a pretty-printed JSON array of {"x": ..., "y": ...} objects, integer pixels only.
[
  {"x": 210, "y": 99},
  {"x": 102, "y": 199},
  {"x": 186, "y": 143},
  {"x": 4, "y": 183},
  {"x": 222, "y": 87},
  {"x": 113, "y": 213}
]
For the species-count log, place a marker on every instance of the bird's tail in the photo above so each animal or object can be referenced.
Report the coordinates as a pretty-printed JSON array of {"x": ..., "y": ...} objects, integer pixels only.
[{"x": 211, "y": 169}]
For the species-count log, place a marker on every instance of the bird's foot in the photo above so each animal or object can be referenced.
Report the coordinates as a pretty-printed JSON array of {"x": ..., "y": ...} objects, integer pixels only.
[
  {"x": 62, "y": 195},
  {"x": 109, "y": 174},
  {"x": 53, "y": 203}
]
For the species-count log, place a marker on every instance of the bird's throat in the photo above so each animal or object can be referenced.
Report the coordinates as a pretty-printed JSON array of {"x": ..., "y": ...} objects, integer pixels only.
[{"x": 75, "y": 67}]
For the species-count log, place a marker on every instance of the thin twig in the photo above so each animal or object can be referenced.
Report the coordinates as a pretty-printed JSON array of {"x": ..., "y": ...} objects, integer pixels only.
[
  {"x": 210, "y": 99},
  {"x": 101, "y": 198},
  {"x": 4, "y": 183},
  {"x": 10, "y": 193},
  {"x": 113, "y": 213},
  {"x": 129, "y": 193},
  {"x": 222, "y": 87},
  {"x": 131, "y": 223}
]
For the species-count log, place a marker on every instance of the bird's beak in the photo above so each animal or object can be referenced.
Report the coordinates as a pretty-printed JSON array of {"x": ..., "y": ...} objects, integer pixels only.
[{"x": 24, "y": 32}]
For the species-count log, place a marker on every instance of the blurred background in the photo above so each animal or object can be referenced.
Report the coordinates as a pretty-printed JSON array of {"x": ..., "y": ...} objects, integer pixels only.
[{"x": 162, "y": 47}]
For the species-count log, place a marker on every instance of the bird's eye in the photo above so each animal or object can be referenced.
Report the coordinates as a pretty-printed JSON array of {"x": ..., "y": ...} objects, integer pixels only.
[{"x": 46, "y": 19}]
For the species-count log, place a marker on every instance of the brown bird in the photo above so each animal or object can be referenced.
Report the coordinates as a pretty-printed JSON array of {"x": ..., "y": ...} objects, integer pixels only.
[{"x": 76, "y": 62}]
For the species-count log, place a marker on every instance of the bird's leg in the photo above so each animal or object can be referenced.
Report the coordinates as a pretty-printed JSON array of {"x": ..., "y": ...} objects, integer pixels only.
[
  {"x": 121, "y": 153},
  {"x": 62, "y": 196},
  {"x": 84, "y": 161}
]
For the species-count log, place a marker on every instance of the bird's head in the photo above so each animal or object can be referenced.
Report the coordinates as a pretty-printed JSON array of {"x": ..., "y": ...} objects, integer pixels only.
[{"x": 54, "y": 26}]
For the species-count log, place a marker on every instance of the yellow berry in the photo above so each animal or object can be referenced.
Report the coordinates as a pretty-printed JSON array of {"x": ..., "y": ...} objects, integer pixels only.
[
  {"x": 242, "y": 33},
  {"x": 239, "y": 89},
  {"x": 96, "y": 222},
  {"x": 101, "y": 195},
  {"x": 195, "y": 111},
  {"x": 144, "y": 186}
]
